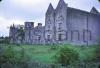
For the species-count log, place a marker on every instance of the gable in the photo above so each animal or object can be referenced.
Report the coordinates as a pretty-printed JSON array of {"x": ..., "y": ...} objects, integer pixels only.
[{"x": 94, "y": 10}]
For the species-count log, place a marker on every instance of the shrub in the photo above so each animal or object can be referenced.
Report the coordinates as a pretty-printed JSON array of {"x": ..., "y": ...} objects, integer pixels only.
[
  {"x": 10, "y": 56},
  {"x": 54, "y": 47},
  {"x": 66, "y": 56},
  {"x": 84, "y": 65},
  {"x": 96, "y": 55}
]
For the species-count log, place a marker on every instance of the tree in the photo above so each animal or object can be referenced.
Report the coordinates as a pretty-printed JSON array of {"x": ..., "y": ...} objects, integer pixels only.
[
  {"x": 4, "y": 40},
  {"x": 99, "y": 0},
  {"x": 10, "y": 56},
  {"x": 66, "y": 56}
]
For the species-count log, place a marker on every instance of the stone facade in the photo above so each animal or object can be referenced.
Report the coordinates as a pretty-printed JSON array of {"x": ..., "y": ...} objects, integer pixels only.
[
  {"x": 34, "y": 35},
  {"x": 16, "y": 34},
  {"x": 65, "y": 25},
  {"x": 29, "y": 28},
  {"x": 72, "y": 25}
]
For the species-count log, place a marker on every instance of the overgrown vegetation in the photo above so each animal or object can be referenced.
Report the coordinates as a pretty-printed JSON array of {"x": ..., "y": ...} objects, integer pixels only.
[
  {"x": 66, "y": 56},
  {"x": 9, "y": 57},
  {"x": 43, "y": 56},
  {"x": 96, "y": 53},
  {"x": 4, "y": 40}
]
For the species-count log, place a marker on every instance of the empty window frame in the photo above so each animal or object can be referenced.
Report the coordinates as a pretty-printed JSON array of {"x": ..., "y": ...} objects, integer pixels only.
[
  {"x": 75, "y": 35},
  {"x": 87, "y": 35},
  {"x": 48, "y": 37},
  {"x": 60, "y": 37}
]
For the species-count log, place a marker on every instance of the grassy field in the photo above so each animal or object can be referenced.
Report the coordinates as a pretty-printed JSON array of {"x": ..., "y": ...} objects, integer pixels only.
[{"x": 46, "y": 53}]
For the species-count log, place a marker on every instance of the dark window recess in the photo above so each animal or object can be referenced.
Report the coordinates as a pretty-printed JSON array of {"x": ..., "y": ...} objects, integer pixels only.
[
  {"x": 59, "y": 24},
  {"x": 75, "y": 35},
  {"x": 39, "y": 38},
  {"x": 48, "y": 37},
  {"x": 66, "y": 35},
  {"x": 87, "y": 35},
  {"x": 60, "y": 37}
]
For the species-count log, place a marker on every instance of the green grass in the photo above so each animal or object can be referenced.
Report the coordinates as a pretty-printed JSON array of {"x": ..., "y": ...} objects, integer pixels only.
[{"x": 45, "y": 53}]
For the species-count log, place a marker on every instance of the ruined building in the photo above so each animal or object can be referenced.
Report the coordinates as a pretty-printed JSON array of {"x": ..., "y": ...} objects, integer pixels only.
[
  {"x": 16, "y": 34},
  {"x": 65, "y": 25},
  {"x": 34, "y": 35}
]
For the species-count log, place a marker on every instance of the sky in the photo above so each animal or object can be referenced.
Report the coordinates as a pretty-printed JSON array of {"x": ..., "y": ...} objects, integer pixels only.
[{"x": 19, "y": 11}]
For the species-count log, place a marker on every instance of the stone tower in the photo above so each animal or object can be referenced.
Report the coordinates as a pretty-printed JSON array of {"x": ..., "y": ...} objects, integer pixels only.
[
  {"x": 29, "y": 32},
  {"x": 16, "y": 34},
  {"x": 50, "y": 25},
  {"x": 12, "y": 34},
  {"x": 39, "y": 34},
  {"x": 60, "y": 21}
]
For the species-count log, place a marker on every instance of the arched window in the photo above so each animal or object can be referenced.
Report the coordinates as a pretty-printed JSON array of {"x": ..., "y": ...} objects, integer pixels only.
[
  {"x": 75, "y": 35},
  {"x": 60, "y": 37},
  {"x": 48, "y": 37},
  {"x": 66, "y": 35},
  {"x": 39, "y": 38},
  {"x": 87, "y": 35},
  {"x": 59, "y": 26}
]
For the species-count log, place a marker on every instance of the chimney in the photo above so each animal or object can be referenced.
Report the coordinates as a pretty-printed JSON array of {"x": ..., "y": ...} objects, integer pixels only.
[
  {"x": 29, "y": 24},
  {"x": 39, "y": 24}
]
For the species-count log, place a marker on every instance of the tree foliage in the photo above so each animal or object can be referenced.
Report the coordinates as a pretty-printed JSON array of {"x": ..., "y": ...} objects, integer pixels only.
[
  {"x": 4, "y": 40},
  {"x": 9, "y": 56},
  {"x": 66, "y": 56},
  {"x": 96, "y": 56}
]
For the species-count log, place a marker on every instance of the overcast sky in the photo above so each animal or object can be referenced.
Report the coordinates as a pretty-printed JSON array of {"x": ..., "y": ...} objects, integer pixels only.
[{"x": 19, "y": 11}]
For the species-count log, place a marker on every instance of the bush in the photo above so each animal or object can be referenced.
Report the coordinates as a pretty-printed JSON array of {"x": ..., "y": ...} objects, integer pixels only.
[
  {"x": 66, "y": 56},
  {"x": 4, "y": 40},
  {"x": 9, "y": 56},
  {"x": 96, "y": 55},
  {"x": 84, "y": 65},
  {"x": 55, "y": 47}
]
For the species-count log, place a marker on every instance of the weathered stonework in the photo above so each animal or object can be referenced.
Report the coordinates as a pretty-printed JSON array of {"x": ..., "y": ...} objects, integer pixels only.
[
  {"x": 16, "y": 34},
  {"x": 65, "y": 25},
  {"x": 49, "y": 25}
]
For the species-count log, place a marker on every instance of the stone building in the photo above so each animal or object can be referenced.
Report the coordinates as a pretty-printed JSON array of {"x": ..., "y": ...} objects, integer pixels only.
[
  {"x": 69, "y": 25},
  {"x": 34, "y": 35},
  {"x": 16, "y": 34},
  {"x": 29, "y": 32},
  {"x": 65, "y": 25}
]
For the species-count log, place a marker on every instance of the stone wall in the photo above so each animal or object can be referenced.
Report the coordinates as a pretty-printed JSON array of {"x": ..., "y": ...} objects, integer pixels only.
[
  {"x": 50, "y": 26},
  {"x": 29, "y": 29},
  {"x": 83, "y": 26},
  {"x": 60, "y": 22}
]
